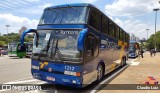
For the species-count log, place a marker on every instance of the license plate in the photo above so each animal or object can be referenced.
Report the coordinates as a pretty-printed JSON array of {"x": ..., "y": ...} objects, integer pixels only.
[{"x": 50, "y": 78}]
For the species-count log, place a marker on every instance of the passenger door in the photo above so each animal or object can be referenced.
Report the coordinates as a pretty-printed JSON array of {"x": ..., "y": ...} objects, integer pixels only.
[{"x": 91, "y": 47}]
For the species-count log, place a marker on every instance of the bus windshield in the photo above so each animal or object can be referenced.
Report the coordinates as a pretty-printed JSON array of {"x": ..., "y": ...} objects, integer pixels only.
[
  {"x": 12, "y": 47},
  {"x": 29, "y": 47},
  {"x": 64, "y": 15},
  {"x": 132, "y": 48},
  {"x": 57, "y": 45}
]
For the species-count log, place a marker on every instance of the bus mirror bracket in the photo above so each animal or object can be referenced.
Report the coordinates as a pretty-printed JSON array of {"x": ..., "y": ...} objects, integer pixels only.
[
  {"x": 81, "y": 39},
  {"x": 22, "y": 45}
]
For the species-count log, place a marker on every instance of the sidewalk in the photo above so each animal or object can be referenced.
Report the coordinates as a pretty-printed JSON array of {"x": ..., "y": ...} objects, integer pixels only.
[{"x": 138, "y": 74}]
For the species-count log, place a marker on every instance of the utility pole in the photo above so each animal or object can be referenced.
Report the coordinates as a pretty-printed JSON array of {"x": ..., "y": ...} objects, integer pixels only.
[
  {"x": 7, "y": 33},
  {"x": 147, "y": 33},
  {"x": 156, "y": 10}
]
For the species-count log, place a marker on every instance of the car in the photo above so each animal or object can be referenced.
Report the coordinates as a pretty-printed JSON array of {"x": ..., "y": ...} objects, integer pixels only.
[
  {"x": 158, "y": 50},
  {"x": 4, "y": 52}
]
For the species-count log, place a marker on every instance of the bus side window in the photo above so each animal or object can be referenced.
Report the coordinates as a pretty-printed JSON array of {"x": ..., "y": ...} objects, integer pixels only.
[
  {"x": 95, "y": 19},
  {"x": 91, "y": 47}
]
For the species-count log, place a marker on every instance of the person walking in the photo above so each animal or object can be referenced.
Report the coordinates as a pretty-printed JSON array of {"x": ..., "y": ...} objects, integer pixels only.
[
  {"x": 151, "y": 52},
  {"x": 142, "y": 53},
  {"x": 154, "y": 52}
]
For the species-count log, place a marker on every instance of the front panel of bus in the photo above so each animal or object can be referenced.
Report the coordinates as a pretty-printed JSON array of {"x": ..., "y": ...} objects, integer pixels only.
[{"x": 12, "y": 48}]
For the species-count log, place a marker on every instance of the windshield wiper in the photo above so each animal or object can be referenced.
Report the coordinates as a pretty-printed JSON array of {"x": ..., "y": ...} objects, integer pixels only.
[{"x": 57, "y": 51}]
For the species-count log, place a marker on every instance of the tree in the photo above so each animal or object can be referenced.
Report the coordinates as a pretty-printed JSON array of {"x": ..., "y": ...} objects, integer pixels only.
[
  {"x": 151, "y": 41},
  {"x": 14, "y": 37},
  {"x": 2, "y": 43}
]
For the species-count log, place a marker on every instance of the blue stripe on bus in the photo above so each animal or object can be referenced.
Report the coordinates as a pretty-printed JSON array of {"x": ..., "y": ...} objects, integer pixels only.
[
  {"x": 75, "y": 4},
  {"x": 61, "y": 26}
]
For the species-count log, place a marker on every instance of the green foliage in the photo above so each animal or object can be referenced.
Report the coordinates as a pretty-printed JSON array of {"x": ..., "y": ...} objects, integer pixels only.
[
  {"x": 151, "y": 41},
  {"x": 13, "y": 37},
  {"x": 2, "y": 43}
]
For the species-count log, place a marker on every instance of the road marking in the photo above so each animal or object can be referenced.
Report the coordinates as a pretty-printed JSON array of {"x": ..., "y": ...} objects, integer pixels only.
[
  {"x": 17, "y": 82},
  {"x": 97, "y": 87},
  {"x": 23, "y": 79},
  {"x": 135, "y": 63}
]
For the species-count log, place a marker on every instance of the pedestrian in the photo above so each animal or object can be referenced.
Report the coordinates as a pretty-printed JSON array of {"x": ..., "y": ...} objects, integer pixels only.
[
  {"x": 154, "y": 52},
  {"x": 142, "y": 53},
  {"x": 151, "y": 52},
  {"x": 139, "y": 54}
]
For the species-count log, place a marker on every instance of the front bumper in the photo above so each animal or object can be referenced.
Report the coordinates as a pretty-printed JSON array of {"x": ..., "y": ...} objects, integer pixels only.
[
  {"x": 66, "y": 80},
  {"x": 12, "y": 55}
]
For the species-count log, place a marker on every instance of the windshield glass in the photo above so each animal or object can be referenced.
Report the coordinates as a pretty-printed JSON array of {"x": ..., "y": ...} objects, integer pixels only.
[
  {"x": 132, "y": 49},
  {"x": 12, "y": 47},
  {"x": 64, "y": 15},
  {"x": 57, "y": 45},
  {"x": 29, "y": 47}
]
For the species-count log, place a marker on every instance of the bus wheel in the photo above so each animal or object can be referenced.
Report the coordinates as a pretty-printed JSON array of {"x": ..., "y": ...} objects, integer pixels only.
[
  {"x": 100, "y": 73},
  {"x": 125, "y": 59},
  {"x": 123, "y": 62}
]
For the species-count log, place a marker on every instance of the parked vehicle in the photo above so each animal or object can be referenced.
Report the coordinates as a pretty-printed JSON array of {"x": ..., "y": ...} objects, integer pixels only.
[{"x": 75, "y": 45}]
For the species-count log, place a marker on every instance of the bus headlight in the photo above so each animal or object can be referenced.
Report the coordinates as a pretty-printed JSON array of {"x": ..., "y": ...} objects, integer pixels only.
[{"x": 72, "y": 73}]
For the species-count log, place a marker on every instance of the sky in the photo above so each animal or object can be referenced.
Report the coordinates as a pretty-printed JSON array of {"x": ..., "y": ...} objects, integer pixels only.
[{"x": 134, "y": 16}]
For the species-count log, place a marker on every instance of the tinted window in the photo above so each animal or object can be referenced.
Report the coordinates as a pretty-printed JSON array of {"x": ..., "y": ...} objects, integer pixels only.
[
  {"x": 117, "y": 32},
  {"x": 91, "y": 44},
  {"x": 105, "y": 25},
  {"x": 121, "y": 35},
  {"x": 111, "y": 28},
  {"x": 95, "y": 19},
  {"x": 64, "y": 15},
  {"x": 124, "y": 36}
]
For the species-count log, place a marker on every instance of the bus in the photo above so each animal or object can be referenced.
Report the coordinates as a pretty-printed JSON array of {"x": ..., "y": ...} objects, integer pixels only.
[
  {"x": 75, "y": 45},
  {"x": 13, "y": 50},
  {"x": 133, "y": 49},
  {"x": 29, "y": 48}
]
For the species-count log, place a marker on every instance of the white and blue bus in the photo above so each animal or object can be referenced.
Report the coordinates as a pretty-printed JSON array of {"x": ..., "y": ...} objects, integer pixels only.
[
  {"x": 75, "y": 45},
  {"x": 133, "y": 49}
]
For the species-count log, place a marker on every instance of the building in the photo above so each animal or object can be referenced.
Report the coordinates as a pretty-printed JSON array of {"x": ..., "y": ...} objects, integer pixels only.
[
  {"x": 134, "y": 38},
  {"x": 22, "y": 29}
]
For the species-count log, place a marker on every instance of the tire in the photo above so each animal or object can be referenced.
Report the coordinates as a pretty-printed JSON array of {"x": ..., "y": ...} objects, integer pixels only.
[
  {"x": 123, "y": 62},
  {"x": 100, "y": 73}
]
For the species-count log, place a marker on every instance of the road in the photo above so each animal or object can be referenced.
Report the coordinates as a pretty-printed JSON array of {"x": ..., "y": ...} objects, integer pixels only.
[{"x": 17, "y": 71}]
